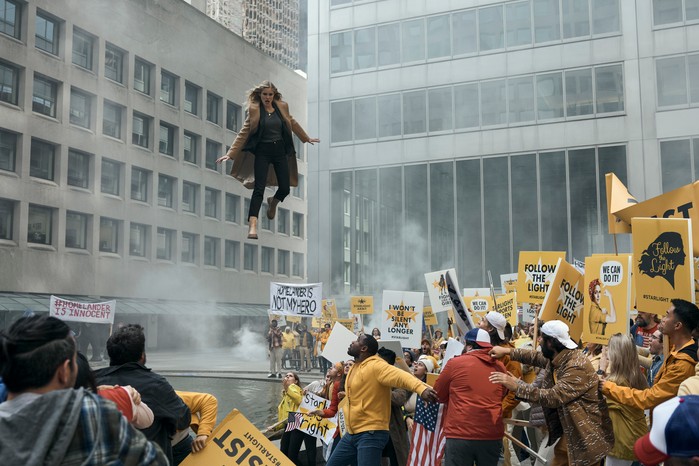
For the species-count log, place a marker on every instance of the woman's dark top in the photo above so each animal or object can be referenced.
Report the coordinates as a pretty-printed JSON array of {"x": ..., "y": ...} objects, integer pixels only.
[{"x": 273, "y": 127}]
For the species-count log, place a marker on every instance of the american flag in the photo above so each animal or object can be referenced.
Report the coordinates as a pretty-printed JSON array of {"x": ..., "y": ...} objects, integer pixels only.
[
  {"x": 428, "y": 440},
  {"x": 294, "y": 421}
]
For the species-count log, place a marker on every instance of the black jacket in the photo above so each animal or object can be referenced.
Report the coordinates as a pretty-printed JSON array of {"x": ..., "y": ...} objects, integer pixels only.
[{"x": 169, "y": 411}]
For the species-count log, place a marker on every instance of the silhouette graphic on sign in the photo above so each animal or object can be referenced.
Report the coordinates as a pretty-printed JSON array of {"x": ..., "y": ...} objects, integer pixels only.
[{"x": 663, "y": 256}]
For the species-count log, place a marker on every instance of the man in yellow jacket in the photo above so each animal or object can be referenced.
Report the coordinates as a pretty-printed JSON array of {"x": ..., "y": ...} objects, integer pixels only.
[
  {"x": 678, "y": 324},
  {"x": 368, "y": 407}
]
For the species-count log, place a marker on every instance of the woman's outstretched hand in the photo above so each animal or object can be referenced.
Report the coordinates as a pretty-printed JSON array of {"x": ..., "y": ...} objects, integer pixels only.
[
  {"x": 222, "y": 159},
  {"x": 312, "y": 141}
]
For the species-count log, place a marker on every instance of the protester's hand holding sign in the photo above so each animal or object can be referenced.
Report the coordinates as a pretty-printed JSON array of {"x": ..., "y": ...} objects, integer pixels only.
[{"x": 199, "y": 443}]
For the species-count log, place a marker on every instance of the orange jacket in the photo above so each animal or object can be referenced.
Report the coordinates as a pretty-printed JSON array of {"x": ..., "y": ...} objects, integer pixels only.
[{"x": 515, "y": 367}]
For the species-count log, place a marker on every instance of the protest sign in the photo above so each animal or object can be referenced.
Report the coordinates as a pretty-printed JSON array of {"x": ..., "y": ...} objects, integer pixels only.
[
  {"x": 508, "y": 282},
  {"x": 401, "y": 317},
  {"x": 529, "y": 312},
  {"x": 428, "y": 315},
  {"x": 294, "y": 319},
  {"x": 295, "y": 300},
  {"x": 534, "y": 271},
  {"x": 475, "y": 292},
  {"x": 608, "y": 290},
  {"x": 362, "y": 304},
  {"x": 580, "y": 265},
  {"x": 454, "y": 348},
  {"x": 347, "y": 323},
  {"x": 281, "y": 320},
  {"x": 481, "y": 305},
  {"x": 74, "y": 311},
  {"x": 460, "y": 315},
  {"x": 316, "y": 426},
  {"x": 329, "y": 309},
  {"x": 431, "y": 378},
  {"x": 507, "y": 306},
  {"x": 339, "y": 340},
  {"x": 564, "y": 298},
  {"x": 663, "y": 262},
  {"x": 437, "y": 290},
  {"x": 357, "y": 322},
  {"x": 235, "y": 441},
  {"x": 618, "y": 198}
]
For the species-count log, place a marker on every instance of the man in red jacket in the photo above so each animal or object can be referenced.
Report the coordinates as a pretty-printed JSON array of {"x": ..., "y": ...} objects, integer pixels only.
[{"x": 473, "y": 425}]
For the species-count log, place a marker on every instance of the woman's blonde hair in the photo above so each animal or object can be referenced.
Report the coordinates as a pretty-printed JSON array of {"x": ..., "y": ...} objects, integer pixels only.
[
  {"x": 624, "y": 367},
  {"x": 254, "y": 94}
]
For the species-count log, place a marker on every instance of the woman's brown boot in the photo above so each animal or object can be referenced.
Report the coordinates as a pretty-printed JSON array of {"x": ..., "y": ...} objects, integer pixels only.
[{"x": 252, "y": 228}]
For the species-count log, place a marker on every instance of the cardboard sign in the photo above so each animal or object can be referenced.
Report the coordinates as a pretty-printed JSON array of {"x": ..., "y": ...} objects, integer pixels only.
[
  {"x": 529, "y": 312},
  {"x": 295, "y": 300},
  {"x": 347, "y": 323},
  {"x": 431, "y": 379},
  {"x": 507, "y": 306},
  {"x": 663, "y": 262},
  {"x": 564, "y": 298},
  {"x": 281, "y": 320},
  {"x": 508, "y": 282},
  {"x": 454, "y": 348},
  {"x": 618, "y": 198},
  {"x": 339, "y": 340},
  {"x": 357, "y": 322},
  {"x": 401, "y": 317},
  {"x": 74, "y": 311},
  {"x": 428, "y": 315},
  {"x": 437, "y": 290},
  {"x": 318, "y": 427},
  {"x": 329, "y": 311},
  {"x": 362, "y": 304},
  {"x": 534, "y": 271},
  {"x": 237, "y": 442},
  {"x": 481, "y": 305},
  {"x": 608, "y": 291}
]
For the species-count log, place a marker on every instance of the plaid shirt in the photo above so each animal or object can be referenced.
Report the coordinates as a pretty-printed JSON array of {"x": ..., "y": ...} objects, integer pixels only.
[
  {"x": 104, "y": 436},
  {"x": 274, "y": 338}
]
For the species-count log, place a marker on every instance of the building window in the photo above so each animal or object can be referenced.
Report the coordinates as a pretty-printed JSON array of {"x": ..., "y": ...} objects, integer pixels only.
[
  {"x": 673, "y": 11},
  {"x": 10, "y": 16},
  {"x": 547, "y": 20},
  {"x": 191, "y": 151},
  {"x": 364, "y": 48},
  {"x": 282, "y": 221},
  {"x": 166, "y": 191},
  {"x": 76, "y": 230},
  {"x": 168, "y": 87},
  {"x": 678, "y": 81},
  {"x": 579, "y": 99},
  {"x": 519, "y": 24},
  {"x": 114, "y": 63},
  {"x": 299, "y": 190},
  {"x": 46, "y": 34},
  {"x": 232, "y": 253},
  {"x": 609, "y": 83},
  {"x": 211, "y": 246},
  {"x": 83, "y": 44},
  {"x": 110, "y": 180},
  {"x": 679, "y": 161},
  {"x": 211, "y": 200},
  {"x": 139, "y": 184},
  {"x": 266, "y": 223},
  {"x": 282, "y": 262},
  {"x": 142, "y": 76},
  {"x": 111, "y": 120},
  {"x": 138, "y": 240},
  {"x": 78, "y": 169},
  {"x": 141, "y": 130},
  {"x": 549, "y": 90},
  {"x": 297, "y": 225},
  {"x": 44, "y": 97},
  {"x": 189, "y": 197},
  {"x": 213, "y": 151},
  {"x": 297, "y": 265},
  {"x": 7, "y": 214},
  {"x": 490, "y": 28},
  {"x": 40, "y": 225},
  {"x": 233, "y": 116},
  {"x": 191, "y": 98},
  {"x": 109, "y": 235},
  {"x": 80, "y": 108},
  {"x": 213, "y": 108},
  {"x": 42, "y": 161},
  {"x": 341, "y": 52},
  {"x": 413, "y": 33},
  {"x": 232, "y": 208},
  {"x": 364, "y": 119},
  {"x": 267, "y": 260},
  {"x": 9, "y": 82},
  {"x": 341, "y": 120},
  {"x": 250, "y": 257},
  {"x": 167, "y": 139},
  {"x": 189, "y": 247},
  {"x": 166, "y": 241},
  {"x": 8, "y": 150}
]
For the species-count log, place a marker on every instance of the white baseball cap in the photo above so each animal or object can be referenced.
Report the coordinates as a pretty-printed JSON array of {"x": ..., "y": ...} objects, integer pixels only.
[
  {"x": 559, "y": 331},
  {"x": 498, "y": 321}
]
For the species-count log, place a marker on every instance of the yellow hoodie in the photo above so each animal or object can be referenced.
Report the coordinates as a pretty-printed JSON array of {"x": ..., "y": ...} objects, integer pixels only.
[
  {"x": 368, "y": 389},
  {"x": 204, "y": 408}
]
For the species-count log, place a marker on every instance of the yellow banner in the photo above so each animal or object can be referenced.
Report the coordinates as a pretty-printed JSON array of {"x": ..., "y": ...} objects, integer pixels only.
[
  {"x": 481, "y": 305},
  {"x": 564, "y": 298},
  {"x": 428, "y": 315},
  {"x": 237, "y": 442},
  {"x": 663, "y": 262},
  {"x": 608, "y": 291},
  {"x": 347, "y": 323},
  {"x": 362, "y": 304},
  {"x": 618, "y": 198},
  {"x": 534, "y": 274}
]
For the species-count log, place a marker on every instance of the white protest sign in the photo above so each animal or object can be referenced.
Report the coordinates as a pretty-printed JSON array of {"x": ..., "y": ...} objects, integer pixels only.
[
  {"x": 508, "y": 282},
  {"x": 437, "y": 290},
  {"x": 401, "y": 317},
  {"x": 454, "y": 348},
  {"x": 338, "y": 342},
  {"x": 295, "y": 300},
  {"x": 94, "y": 313},
  {"x": 316, "y": 426}
]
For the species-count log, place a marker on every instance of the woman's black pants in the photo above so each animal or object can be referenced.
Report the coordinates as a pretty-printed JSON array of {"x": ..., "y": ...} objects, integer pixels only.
[{"x": 269, "y": 153}]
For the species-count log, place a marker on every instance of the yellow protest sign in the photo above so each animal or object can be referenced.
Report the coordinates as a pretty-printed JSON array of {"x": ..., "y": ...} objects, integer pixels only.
[
  {"x": 431, "y": 379},
  {"x": 362, "y": 304},
  {"x": 663, "y": 262},
  {"x": 507, "y": 306},
  {"x": 316, "y": 323},
  {"x": 294, "y": 319},
  {"x": 481, "y": 305},
  {"x": 618, "y": 198},
  {"x": 329, "y": 311},
  {"x": 316, "y": 426},
  {"x": 608, "y": 291},
  {"x": 564, "y": 298},
  {"x": 237, "y": 442},
  {"x": 428, "y": 315},
  {"x": 534, "y": 274},
  {"x": 347, "y": 323}
]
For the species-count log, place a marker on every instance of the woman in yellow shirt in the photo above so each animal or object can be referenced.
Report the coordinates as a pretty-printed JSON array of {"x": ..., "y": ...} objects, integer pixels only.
[{"x": 291, "y": 399}]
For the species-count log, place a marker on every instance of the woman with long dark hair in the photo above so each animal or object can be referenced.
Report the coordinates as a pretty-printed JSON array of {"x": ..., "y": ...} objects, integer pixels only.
[{"x": 266, "y": 139}]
